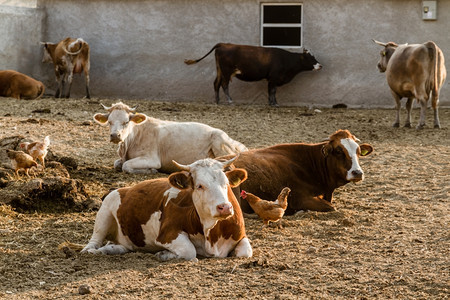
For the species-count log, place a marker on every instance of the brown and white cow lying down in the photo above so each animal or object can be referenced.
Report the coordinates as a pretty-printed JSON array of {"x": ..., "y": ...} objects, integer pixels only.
[
  {"x": 20, "y": 86},
  {"x": 311, "y": 171},
  {"x": 69, "y": 56},
  {"x": 414, "y": 72},
  {"x": 252, "y": 63},
  {"x": 148, "y": 145},
  {"x": 193, "y": 212}
]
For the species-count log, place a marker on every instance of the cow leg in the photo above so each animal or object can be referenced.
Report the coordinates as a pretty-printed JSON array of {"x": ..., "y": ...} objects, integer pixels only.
[
  {"x": 69, "y": 79},
  {"x": 88, "y": 94},
  {"x": 272, "y": 89},
  {"x": 110, "y": 249},
  {"x": 243, "y": 249},
  {"x": 409, "y": 103},
  {"x": 316, "y": 204},
  {"x": 181, "y": 247},
  {"x": 225, "y": 90},
  {"x": 104, "y": 223},
  {"x": 435, "y": 104},
  {"x": 398, "y": 107},
  {"x": 217, "y": 84},
  {"x": 423, "y": 112},
  {"x": 142, "y": 165},
  {"x": 59, "y": 81}
]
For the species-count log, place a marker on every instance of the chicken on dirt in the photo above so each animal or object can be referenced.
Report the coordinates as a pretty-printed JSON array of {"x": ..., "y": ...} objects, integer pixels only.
[
  {"x": 268, "y": 211},
  {"x": 21, "y": 160},
  {"x": 38, "y": 150}
]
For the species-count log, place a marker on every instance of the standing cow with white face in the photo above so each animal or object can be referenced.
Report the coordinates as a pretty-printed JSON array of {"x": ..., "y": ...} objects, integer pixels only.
[
  {"x": 148, "y": 145},
  {"x": 414, "y": 71}
]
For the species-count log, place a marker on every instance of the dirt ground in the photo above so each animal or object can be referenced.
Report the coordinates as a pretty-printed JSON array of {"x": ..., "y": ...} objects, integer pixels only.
[{"x": 388, "y": 239}]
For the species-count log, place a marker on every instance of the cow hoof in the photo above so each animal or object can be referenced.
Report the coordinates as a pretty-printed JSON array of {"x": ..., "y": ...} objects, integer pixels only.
[
  {"x": 396, "y": 125},
  {"x": 408, "y": 125},
  {"x": 420, "y": 126},
  {"x": 274, "y": 105},
  {"x": 437, "y": 126}
]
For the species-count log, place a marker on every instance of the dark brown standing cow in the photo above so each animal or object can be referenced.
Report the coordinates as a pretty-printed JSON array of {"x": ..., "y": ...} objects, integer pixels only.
[
  {"x": 311, "y": 171},
  {"x": 414, "y": 72},
  {"x": 69, "y": 56},
  {"x": 20, "y": 86},
  {"x": 251, "y": 63}
]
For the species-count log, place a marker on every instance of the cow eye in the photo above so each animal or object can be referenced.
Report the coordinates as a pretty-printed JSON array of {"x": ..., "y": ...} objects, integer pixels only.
[
  {"x": 338, "y": 151},
  {"x": 199, "y": 187},
  {"x": 125, "y": 123}
]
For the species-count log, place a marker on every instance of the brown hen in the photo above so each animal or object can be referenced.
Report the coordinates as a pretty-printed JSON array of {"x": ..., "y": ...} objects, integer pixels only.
[
  {"x": 268, "y": 211},
  {"x": 21, "y": 160},
  {"x": 38, "y": 150}
]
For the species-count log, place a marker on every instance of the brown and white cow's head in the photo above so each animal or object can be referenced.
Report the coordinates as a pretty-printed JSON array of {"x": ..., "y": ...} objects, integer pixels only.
[
  {"x": 342, "y": 153},
  {"x": 47, "y": 57},
  {"x": 210, "y": 186},
  {"x": 385, "y": 54},
  {"x": 121, "y": 119}
]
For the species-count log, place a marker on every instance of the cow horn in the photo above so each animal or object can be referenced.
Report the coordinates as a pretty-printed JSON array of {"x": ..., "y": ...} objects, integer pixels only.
[
  {"x": 133, "y": 109},
  {"x": 379, "y": 43},
  {"x": 105, "y": 107},
  {"x": 229, "y": 162},
  {"x": 181, "y": 167}
]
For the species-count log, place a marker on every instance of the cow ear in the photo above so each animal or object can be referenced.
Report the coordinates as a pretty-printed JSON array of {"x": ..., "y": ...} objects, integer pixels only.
[
  {"x": 366, "y": 149},
  {"x": 138, "y": 118},
  {"x": 180, "y": 180},
  {"x": 327, "y": 149},
  {"x": 101, "y": 119},
  {"x": 236, "y": 177}
]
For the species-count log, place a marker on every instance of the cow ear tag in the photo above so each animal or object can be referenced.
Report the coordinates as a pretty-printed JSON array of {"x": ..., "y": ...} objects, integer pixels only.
[{"x": 364, "y": 152}]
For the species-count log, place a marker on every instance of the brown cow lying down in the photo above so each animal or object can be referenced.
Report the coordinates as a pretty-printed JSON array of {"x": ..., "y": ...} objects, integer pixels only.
[
  {"x": 20, "y": 86},
  {"x": 311, "y": 171}
]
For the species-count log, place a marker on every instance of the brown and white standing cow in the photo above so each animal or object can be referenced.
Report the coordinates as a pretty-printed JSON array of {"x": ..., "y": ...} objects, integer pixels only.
[
  {"x": 193, "y": 212},
  {"x": 69, "y": 56},
  {"x": 20, "y": 86},
  {"x": 311, "y": 171},
  {"x": 251, "y": 63},
  {"x": 414, "y": 71}
]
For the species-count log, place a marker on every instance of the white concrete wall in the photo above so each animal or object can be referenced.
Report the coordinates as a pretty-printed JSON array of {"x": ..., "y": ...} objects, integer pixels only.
[
  {"x": 20, "y": 31},
  {"x": 138, "y": 47}
]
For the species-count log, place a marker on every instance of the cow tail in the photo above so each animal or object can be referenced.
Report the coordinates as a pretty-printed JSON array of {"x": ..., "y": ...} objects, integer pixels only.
[
  {"x": 193, "y": 61},
  {"x": 435, "y": 57},
  {"x": 42, "y": 87},
  {"x": 68, "y": 247}
]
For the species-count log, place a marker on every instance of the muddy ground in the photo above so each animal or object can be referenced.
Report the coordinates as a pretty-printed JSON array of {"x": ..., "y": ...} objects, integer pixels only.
[{"x": 388, "y": 239}]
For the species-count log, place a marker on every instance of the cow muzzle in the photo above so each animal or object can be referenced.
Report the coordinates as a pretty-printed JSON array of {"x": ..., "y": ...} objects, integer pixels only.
[
  {"x": 317, "y": 66},
  {"x": 115, "y": 138},
  {"x": 224, "y": 210},
  {"x": 356, "y": 175},
  {"x": 380, "y": 68}
]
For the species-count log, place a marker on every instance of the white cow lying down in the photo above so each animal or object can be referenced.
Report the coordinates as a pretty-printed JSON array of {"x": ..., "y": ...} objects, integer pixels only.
[{"x": 148, "y": 145}]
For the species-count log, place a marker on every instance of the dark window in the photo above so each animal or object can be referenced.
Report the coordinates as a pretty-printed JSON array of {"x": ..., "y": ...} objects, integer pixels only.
[{"x": 281, "y": 24}]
